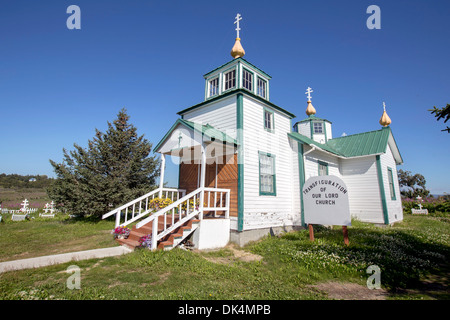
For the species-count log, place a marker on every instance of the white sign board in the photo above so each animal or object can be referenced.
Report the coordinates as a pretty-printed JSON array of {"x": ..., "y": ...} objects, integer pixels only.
[{"x": 325, "y": 201}]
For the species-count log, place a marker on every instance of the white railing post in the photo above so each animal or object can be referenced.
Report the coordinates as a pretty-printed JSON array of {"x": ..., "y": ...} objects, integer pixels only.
[
  {"x": 227, "y": 212},
  {"x": 118, "y": 218},
  {"x": 161, "y": 177},
  {"x": 202, "y": 182},
  {"x": 154, "y": 233}
]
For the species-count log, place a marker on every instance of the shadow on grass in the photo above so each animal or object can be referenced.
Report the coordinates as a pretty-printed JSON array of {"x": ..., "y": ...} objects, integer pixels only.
[{"x": 410, "y": 260}]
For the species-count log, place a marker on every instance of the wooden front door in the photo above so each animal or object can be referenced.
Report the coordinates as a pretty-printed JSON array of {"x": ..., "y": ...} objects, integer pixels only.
[{"x": 225, "y": 173}]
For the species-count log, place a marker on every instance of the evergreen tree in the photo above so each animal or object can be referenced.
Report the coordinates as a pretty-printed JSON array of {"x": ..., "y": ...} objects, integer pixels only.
[
  {"x": 114, "y": 169},
  {"x": 443, "y": 113}
]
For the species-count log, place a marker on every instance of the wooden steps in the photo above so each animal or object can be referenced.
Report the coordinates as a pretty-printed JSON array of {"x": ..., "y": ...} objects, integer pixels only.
[{"x": 169, "y": 241}]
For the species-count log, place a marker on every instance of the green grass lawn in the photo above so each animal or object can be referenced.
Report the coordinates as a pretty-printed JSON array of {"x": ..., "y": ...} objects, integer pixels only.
[
  {"x": 46, "y": 236},
  {"x": 412, "y": 256}
]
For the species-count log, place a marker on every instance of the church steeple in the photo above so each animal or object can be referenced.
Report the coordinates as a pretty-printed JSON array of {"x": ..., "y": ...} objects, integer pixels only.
[{"x": 237, "y": 51}]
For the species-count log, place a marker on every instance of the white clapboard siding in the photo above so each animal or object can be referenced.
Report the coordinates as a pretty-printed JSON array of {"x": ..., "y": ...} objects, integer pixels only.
[
  {"x": 220, "y": 114},
  {"x": 319, "y": 137},
  {"x": 360, "y": 176},
  {"x": 266, "y": 211},
  {"x": 394, "y": 207},
  {"x": 304, "y": 128},
  {"x": 328, "y": 129},
  {"x": 312, "y": 163}
]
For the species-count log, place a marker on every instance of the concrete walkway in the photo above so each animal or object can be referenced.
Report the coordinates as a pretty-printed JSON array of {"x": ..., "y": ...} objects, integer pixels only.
[{"x": 62, "y": 258}]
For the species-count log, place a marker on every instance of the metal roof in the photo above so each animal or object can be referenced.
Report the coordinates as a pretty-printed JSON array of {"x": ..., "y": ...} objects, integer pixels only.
[
  {"x": 361, "y": 144},
  {"x": 206, "y": 130},
  {"x": 356, "y": 145}
]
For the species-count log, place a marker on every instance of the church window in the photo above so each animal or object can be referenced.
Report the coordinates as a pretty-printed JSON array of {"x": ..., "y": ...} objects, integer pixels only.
[
  {"x": 323, "y": 168},
  {"x": 391, "y": 184},
  {"x": 230, "y": 79},
  {"x": 318, "y": 127},
  {"x": 267, "y": 177},
  {"x": 268, "y": 120},
  {"x": 213, "y": 87},
  {"x": 261, "y": 89},
  {"x": 247, "y": 80}
]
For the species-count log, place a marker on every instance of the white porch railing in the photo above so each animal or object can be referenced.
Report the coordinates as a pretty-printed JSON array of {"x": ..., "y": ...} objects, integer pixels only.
[
  {"x": 185, "y": 209},
  {"x": 138, "y": 208}
]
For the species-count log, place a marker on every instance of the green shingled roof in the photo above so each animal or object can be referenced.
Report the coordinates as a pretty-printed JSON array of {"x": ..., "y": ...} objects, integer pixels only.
[{"x": 362, "y": 144}]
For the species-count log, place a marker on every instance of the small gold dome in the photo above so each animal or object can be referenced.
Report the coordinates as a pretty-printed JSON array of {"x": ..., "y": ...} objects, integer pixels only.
[
  {"x": 385, "y": 120},
  {"x": 310, "y": 109},
  {"x": 237, "y": 51}
]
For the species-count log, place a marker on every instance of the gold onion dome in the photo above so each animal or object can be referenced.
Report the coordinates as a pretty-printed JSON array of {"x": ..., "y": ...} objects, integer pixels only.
[
  {"x": 385, "y": 120},
  {"x": 237, "y": 51},
  {"x": 310, "y": 110}
]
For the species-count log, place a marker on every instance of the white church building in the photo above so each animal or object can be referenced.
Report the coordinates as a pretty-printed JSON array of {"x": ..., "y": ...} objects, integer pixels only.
[{"x": 244, "y": 161}]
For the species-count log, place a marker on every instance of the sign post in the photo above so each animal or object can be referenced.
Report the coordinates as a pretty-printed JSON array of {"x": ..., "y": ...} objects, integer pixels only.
[{"x": 325, "y": 201}]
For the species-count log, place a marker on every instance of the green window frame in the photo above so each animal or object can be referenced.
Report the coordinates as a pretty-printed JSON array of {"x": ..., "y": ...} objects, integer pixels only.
[
  {"x": 213, "y": 87},
  {"x": 391, "y": 183},
  {"x": 322, "y": 168},
  {"x": 267, "y": 174},
  {"x": 230, "y": 78},
  {"x": 269, "y": 120},
  {"x": 261, "y": 89},
  {"x": 247, "y": 79},
  {"x": 318, "y": 127}
]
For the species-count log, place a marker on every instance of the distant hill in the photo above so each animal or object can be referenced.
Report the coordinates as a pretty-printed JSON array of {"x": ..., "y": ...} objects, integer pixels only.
[{"x": 16, "y": 181}]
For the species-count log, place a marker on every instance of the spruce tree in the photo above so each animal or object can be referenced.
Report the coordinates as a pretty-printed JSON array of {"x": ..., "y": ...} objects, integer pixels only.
[{"x": 114, "y": 169}]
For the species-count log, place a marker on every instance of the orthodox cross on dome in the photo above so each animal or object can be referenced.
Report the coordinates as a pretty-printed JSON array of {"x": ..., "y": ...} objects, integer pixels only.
[
  {"x": 238, "y": 18},
  {"x": 384, "y": 106},
  {"x": 237, "y": 51},
  {"x": 308, "y": 92}
]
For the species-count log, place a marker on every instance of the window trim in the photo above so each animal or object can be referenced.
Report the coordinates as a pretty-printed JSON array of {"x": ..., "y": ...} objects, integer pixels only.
[
  {"x": 274, "y": 179},
  {"x": 236, "y": 78},
  {"x": 257, "y": 87},
  {"x": 322, "y": 163},
  {"x": 391, "y": 176},
  {"x": 272, "y": 129},
  {"x": 321, "y": 125},
  {"x": 252, "y": 79},
  {"x": 209, "y": 95}
]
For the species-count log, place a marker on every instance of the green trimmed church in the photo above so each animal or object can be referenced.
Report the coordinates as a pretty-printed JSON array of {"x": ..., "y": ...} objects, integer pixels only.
[{"x": 243, "y": 165}]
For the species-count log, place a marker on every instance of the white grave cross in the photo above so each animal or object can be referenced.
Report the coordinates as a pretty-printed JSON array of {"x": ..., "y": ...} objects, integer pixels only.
[
  {"x": 238, "y": 18},
  {"x": 24, "y": 205}
]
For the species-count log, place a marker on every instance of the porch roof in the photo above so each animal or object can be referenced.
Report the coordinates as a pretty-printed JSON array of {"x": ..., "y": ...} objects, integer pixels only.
[{"x": 208, "y": 131}]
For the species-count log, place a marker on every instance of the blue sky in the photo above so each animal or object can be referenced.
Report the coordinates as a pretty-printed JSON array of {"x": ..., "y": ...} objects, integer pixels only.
[{"x": 57, "y": 85}]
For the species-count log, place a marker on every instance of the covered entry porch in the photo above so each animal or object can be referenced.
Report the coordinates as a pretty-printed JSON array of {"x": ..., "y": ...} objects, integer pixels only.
[
  {"x": 206, "y": 159},
  {"x": 202, "y": 202}
]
